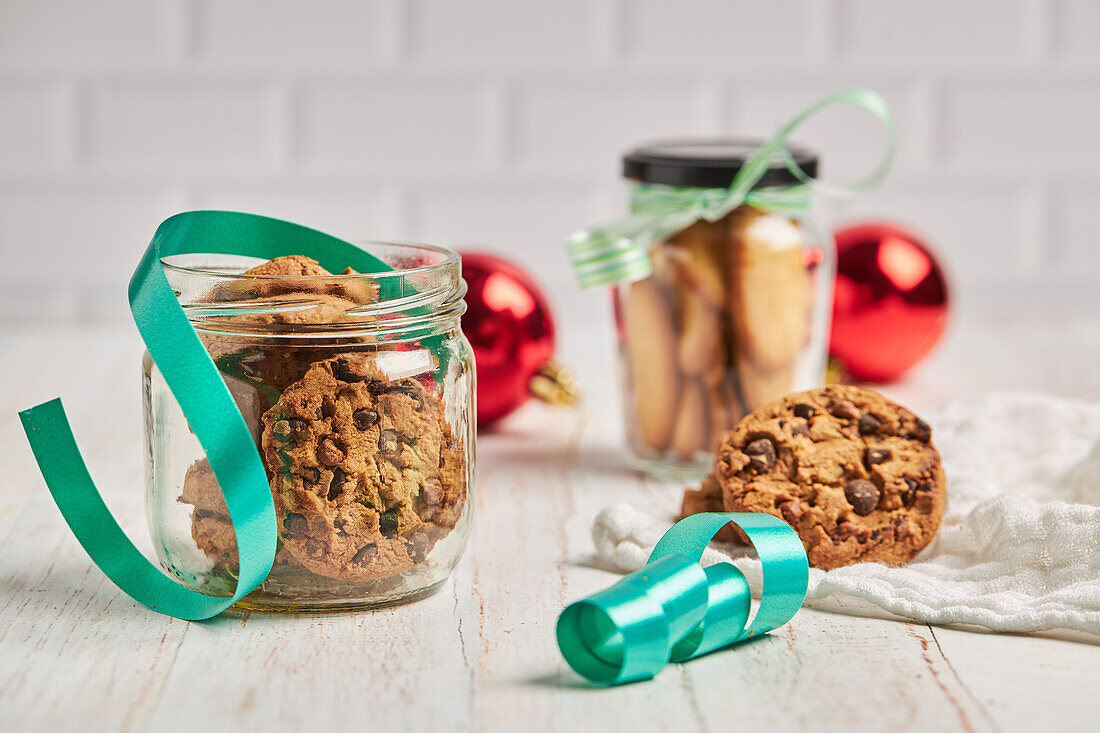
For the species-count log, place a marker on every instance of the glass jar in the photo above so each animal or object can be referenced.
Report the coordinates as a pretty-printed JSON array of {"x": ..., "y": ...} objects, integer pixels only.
[
  {"x": 734, "y": 315},
  {"x": 359, "y": 391}
]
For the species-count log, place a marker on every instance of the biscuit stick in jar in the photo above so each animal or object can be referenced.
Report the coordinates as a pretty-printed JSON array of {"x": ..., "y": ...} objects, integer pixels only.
[
  {"x": 651, "y": 348},
  {"x": 699, "y": 257},
  {"x": 770, "y": 305}
]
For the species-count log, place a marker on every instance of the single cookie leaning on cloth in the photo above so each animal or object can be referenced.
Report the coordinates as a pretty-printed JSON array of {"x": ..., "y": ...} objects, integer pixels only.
[
  {"x": 855, "y": 474},
  {"x": 366, "y": 472}
]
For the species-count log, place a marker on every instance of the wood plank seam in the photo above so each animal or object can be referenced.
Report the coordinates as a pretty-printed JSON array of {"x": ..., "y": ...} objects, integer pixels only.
[{"x": 965, "y": 687}]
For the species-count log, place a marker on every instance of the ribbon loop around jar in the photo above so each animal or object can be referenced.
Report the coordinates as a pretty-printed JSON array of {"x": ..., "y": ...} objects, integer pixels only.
[
  {"x": 673, "y": 609},
  {"x": 205, "y": 400},
  {"x": 622, "y": 247}
]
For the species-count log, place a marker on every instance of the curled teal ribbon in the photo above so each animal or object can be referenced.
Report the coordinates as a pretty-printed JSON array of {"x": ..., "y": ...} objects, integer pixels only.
[
  {"x": 674, "y": 609},
  {"x": 205, "y": 401},
  {"x": 619, "y": 251}
]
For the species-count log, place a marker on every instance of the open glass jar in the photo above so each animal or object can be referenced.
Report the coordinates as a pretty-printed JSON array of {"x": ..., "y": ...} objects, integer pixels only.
[
  {"x": 359, "y": 391},
  {"x": 734, "y": 315}
]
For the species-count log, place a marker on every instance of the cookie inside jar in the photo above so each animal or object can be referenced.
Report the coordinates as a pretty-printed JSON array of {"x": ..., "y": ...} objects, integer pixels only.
[
  {"x": 362, "y": 424},
  {"x": 732, "y": 316}
]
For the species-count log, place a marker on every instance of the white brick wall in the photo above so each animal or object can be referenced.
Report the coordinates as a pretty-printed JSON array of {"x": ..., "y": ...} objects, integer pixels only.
[
  {"x": 287, "y": 35},
  {"x": 939, "y": 34},
  {"x": 725, "y": 33},
  {"x": 499, "y": 123}
]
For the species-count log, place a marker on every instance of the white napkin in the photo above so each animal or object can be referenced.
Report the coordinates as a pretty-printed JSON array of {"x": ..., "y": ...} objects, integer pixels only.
[{"x": 1019, "y": 546}]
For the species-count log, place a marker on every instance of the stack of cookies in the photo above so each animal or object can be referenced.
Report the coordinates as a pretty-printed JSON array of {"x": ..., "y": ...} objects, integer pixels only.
[
  {"x": 715, "y": 332},
  {"x": 366, "y": 472},
  {"x": 856, "y": 475}
]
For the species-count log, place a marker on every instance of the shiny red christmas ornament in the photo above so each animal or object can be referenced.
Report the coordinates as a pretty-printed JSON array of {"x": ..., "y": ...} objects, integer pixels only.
[
  {"x": 509, "y": 324},
  {"x": 891, "y": 302}
]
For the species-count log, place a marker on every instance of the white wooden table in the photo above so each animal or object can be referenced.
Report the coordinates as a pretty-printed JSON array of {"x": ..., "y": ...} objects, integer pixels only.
[{"x": 76, "y": 654}]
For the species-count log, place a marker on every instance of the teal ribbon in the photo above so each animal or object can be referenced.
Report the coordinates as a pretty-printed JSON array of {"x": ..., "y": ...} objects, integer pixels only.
[
  {"x": 205, "y": 401},
  {"x": 619, "y": 251},
  {"x": 674, "y": 609}
]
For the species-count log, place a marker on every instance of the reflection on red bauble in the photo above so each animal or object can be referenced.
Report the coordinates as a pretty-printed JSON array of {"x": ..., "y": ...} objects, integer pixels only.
[
  {"x": 509, "y": 325},
  {"x": 891, "y": 303}
]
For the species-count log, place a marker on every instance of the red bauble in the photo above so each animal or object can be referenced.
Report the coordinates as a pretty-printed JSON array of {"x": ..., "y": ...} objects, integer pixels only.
[
  {"x": 509, "y": 325},
  {"x": 891, "y": 303}
]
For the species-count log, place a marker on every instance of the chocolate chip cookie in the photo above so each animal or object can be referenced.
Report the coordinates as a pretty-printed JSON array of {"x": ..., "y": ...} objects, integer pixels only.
[
  {"x": 366, "y": 472},
  {"x": 211, "y": 527},
  {"x": 855, "y": 474},
  {"x": 297, "y": 275}
]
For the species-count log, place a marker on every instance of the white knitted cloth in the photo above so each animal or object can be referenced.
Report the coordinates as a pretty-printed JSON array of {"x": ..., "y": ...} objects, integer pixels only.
[{"x": 1019, "y": 546}]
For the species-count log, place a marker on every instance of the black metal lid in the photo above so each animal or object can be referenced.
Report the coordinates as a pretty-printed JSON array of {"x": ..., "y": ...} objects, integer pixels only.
[{"x": 709, "y": 163}]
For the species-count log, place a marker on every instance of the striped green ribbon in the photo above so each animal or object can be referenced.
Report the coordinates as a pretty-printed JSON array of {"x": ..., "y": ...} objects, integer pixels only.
[
  {"x": 675, "y": 610},
  {"x": 619, "y": 251}
]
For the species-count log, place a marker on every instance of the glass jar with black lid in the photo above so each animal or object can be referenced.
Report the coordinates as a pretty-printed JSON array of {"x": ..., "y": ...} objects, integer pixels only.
[{"x": 735, "y": 312}]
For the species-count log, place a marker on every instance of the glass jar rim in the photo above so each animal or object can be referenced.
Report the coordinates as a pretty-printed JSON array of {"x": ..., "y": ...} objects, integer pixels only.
[{"x": 450, "y": 257}]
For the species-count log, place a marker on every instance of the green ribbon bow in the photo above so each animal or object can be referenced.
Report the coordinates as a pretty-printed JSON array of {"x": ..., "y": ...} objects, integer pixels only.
[
  {"x": 619, "y": 251},
  {"x": 674, "y": 609},
  {"x": 205, "y": 401}
]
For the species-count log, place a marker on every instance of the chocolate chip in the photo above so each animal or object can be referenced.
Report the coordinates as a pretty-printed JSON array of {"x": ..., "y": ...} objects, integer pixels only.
[
  {"x": 845, "y": 530},
  {"x": 281, "y": 430},
  {"x": 910, "y": 491},
  {"x": 417, "y": 547},
  {"x": 341, "y": 369},
  {"x": 311, "y": 475},
  {"x": 365, "y": 555},
  {"x": 389, "y": 442},
  {"x": 902, "y": 530},
  {"x": 387, "y": 523},
  {"x": 921, "y": 431},
  {"x": 364, "y": 419},
  {"x": 432, "y": 492},
  {"x": 800, "y": 429},
  {"x": 415, "y": 394},
  {"x": 406, "y": 387},
  {"x": 319, "y": 414},
  {"x": 791, "y": 511},
  {"x": 869, "y": 424},
  {"x": 875, "y": 456},
  {"x": 326, "y": 410},
  {"x": 804, "y": 411},
  {"x": 845, "y": 411},
  {"x": 924, "y": 503},
  {"x": 296, "y": 524},
  {"x": 336, "y": 486},
  {"x": 862, "y": 495},
  {"x": 297, "y": 424},
  {"x": 329, "y": 453},
  {"x": 761, "y": 453}
]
